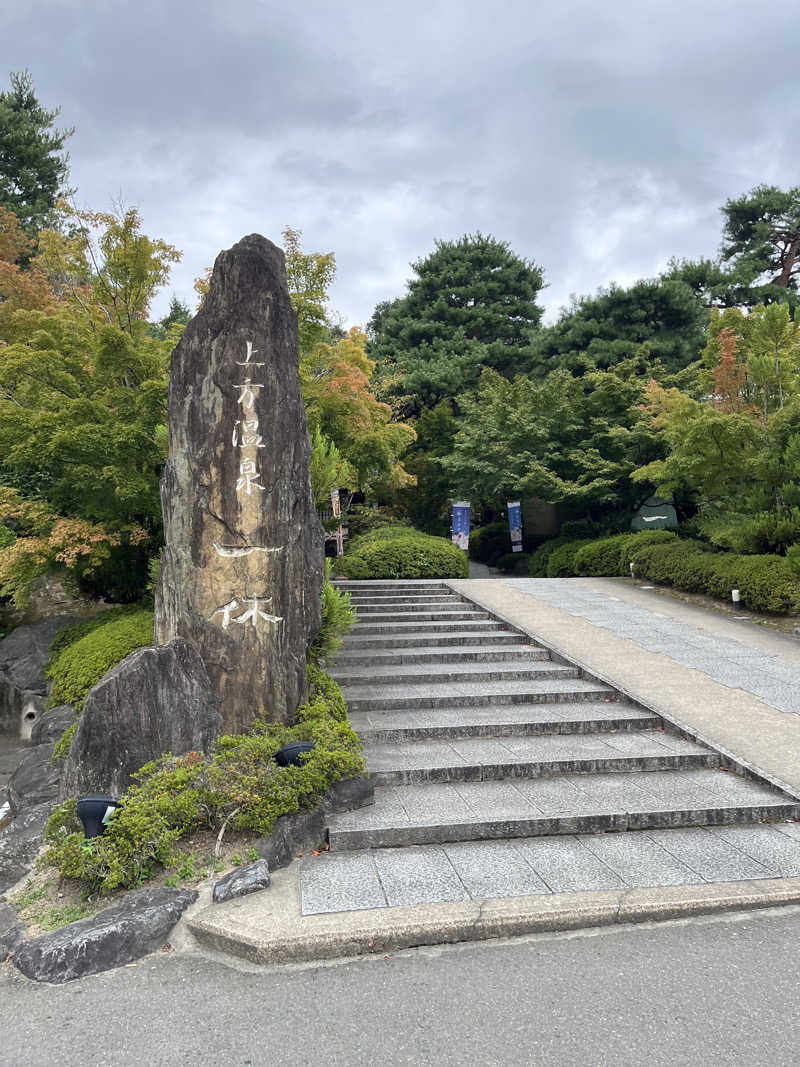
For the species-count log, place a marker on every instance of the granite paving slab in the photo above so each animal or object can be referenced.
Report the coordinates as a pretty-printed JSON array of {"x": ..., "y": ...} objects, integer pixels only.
[
  {"x": 731, "y": 663},
  {"x": 479, "y": 870}
]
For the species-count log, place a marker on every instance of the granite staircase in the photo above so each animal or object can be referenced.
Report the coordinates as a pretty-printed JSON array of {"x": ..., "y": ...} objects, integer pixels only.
[{"x": 477, "y": 735}]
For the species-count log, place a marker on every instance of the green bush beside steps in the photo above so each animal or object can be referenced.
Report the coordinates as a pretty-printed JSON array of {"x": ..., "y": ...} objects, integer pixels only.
[{"x": 400, "y": 552}]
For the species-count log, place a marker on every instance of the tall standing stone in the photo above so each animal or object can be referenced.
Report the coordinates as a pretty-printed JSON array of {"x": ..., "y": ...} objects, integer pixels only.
[{"x": 241, "y": 573}]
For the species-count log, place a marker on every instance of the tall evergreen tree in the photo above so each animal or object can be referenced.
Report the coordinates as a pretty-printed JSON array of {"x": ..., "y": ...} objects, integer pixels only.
[
  {"x": 472, "y": 304},
  {"x": 33, "y": 166}
]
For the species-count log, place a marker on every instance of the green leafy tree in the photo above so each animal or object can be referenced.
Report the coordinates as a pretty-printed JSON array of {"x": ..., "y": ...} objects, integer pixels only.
[
  {"x": 566, "y": 440},
  {"x": 33, "y": 166},
  {"x": 426, "y": 503},
  {"x": 309, "y": 276},
  {"x": 472, "y": 304}
]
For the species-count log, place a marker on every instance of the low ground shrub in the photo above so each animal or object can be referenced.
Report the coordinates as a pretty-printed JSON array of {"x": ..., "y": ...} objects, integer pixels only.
[
  {"x": 512, "y": 561},
  {"x": 400, "y": 552},
  {"x": 238, "y": 785},
  {"x": 610, "y": 557},
  {"x": 338, "y": 615},
  {"x": 81, "y": 663}
]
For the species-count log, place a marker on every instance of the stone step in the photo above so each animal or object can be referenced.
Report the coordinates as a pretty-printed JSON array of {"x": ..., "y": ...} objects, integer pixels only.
[
  {"x": 490, "y": 759},
  {"x": 566, "y": 804},
  {"x": 444, "y": 606},
  {"x": 434, "y": 627},
  {"x": 551, "y": 690},
  {"x": 392, "y": 588},
  {"x": 406, "y": 598},
  {"x": 485, "y": 870},
  {"x": 462, "y": 614},
  {"x": 422, "y": 674},
  {"x": 482, "y": 653},
  {"x": 431, "y": 640},
  {"x": 510, "y": 720}
]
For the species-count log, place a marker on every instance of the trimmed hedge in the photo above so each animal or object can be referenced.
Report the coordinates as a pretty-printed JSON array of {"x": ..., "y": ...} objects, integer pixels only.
[
  {"x": 238, "y": 785},
  {"x": 399, "y": 552},
  {"x": 611, "y": 556},
  {"x": 765, "y": 583},
  {"x": 81, "y": 664}
]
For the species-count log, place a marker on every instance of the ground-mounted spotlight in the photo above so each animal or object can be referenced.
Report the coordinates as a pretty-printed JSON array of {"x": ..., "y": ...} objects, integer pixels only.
[
  {"x": 289, "y": 755},
  {"x": 94, "y": 812}
]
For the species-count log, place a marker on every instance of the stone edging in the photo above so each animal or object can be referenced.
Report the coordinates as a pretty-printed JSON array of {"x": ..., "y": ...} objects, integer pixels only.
[{"x": 325, "y": 937}]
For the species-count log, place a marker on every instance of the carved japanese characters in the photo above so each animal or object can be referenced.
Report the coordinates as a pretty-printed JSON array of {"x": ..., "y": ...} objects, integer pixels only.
[{"x": 242, "y": 569}]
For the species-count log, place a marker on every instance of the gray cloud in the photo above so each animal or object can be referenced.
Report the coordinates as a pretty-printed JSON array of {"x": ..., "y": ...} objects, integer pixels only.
[{"x": 597, "y": 142}]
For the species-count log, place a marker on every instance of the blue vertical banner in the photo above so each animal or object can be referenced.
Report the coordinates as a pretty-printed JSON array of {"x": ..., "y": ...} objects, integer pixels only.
[
  {"x": 515, "y": 524},
  {"x": 460, "y": 524}
]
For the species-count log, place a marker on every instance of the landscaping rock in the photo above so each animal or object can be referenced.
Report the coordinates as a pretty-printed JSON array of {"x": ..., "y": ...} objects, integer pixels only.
[
  {"x": 350, "y": 794},
  {"x": 306, "y": 829},
  {"x": 156, "y": 700},
  {"x": 292, "y": 834},
  {"x": 119, "y": 934},
  {"x": 241, "y": 573},
  {"x": 52, "y": 724},
  {"x": 239, "y": 883},
  {"x": 35, "y": 781},
  {"x": 11, "y": 931},
  {"x": 19, "y": 844},
  {"x": 23, "y": 685}
]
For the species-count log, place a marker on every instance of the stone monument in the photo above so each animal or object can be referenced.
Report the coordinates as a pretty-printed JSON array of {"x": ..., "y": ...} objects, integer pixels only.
[{"x": 241, "y": 573}]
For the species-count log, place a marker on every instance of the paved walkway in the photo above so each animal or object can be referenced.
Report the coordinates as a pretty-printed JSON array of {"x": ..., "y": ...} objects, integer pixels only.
[
  {"x": 723, "y": 680},
  {"x": 732, "y": 681}
]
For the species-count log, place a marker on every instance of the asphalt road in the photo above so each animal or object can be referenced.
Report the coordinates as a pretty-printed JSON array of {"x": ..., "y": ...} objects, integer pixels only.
[{"x": 711, "y": 991}]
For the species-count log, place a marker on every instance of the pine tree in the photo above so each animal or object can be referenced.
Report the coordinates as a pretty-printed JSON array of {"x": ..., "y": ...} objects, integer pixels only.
[
  {"x": 33, "y": 167},
  {"x": 471, "y": 305}
]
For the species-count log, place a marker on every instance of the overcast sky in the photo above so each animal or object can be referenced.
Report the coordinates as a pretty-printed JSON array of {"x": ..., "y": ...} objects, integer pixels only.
[{"x": 598, "y": 139}]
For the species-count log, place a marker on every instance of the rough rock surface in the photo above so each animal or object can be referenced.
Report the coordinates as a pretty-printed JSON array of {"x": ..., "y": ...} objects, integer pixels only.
[
  {"x": 156, "y": 700},
  {"x": 241, "y": 573},
  {"x": 35, "y": 781},
  {"x": 52, "y": 724},
  {"x": 118, "y": 935},
  {"x": 239, "y": 883},
  {"x": 23, "y": 685},
  {"x": 10, "y": 931},
  {"x": 306, "y": 829},
  {"x": 19, "y": 844}
]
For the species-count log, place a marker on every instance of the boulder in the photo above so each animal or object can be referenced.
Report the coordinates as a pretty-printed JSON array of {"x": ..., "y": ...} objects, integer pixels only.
[
  {"x": 52, "y": 724},
  {"x": 156, "y": 700},
  {"x": 120, "y": 934},
  {"x": 241, "y": 573},
  {"x": 35, "y": 781},
  {"x": 244, "y": 880},
  {"x": 19, "y": 844},
  {"x": 23, "y": 685},
  {"x": 11, "y": 931}
]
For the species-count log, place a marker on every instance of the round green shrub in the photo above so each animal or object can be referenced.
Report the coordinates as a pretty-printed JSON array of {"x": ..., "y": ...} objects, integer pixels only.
[
  {"x": 610, "y": 557},
  {"x": 537, "y": 567},
  {"x": 561, "y": 561},
  {"x": 79, "y": 666},
  {"x": 396, "y": 552},
  {"x": 512, "y": 561},
  {"x": 488, "y": 543}
]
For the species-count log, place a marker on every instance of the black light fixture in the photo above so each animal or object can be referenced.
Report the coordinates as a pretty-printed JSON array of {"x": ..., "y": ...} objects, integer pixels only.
[
  {"x": 94, "y": 812},
  {"x": 289, "y": 755}
]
